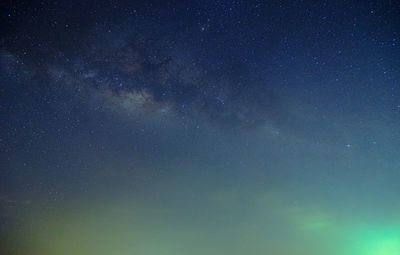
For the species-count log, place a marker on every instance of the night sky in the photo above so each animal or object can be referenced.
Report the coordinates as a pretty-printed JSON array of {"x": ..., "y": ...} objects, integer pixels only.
[{"x": 200, "y": 127}]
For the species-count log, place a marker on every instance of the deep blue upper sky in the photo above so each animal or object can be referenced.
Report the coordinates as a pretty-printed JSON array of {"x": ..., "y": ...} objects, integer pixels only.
[{"x": 150, "y": 88}]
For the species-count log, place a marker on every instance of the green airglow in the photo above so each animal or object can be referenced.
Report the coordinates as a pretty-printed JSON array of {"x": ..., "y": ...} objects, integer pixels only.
[{"x": 376, "y": 241}]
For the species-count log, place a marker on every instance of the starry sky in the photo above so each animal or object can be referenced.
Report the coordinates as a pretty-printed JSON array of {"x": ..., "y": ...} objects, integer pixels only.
[{"x": 200, "y": 127}]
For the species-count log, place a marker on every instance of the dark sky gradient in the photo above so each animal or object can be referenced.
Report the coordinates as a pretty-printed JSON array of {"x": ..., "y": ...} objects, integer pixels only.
[{"x": 200, "y": 127}]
